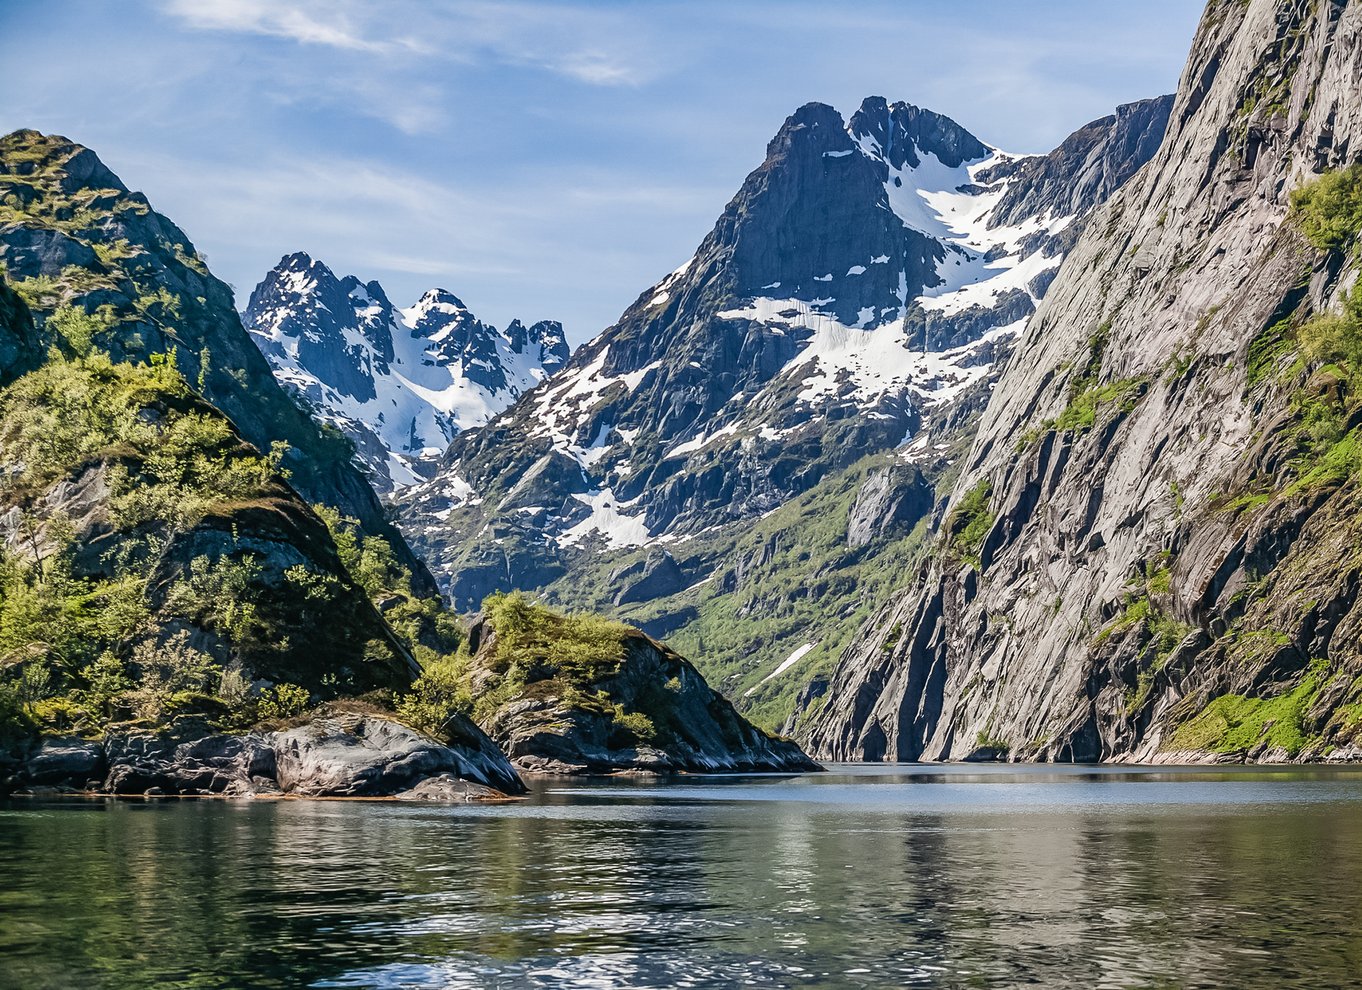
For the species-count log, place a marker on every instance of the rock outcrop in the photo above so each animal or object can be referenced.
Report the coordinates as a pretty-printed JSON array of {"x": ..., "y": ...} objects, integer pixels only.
[
  {"x": 1151, "y": 549},
  {"x": 336, "y": 753},
  {"x": 572, "y": 695}
]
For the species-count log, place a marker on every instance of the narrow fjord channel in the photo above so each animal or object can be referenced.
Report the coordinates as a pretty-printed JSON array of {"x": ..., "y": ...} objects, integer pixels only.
[{"x": 867, "y": 876}]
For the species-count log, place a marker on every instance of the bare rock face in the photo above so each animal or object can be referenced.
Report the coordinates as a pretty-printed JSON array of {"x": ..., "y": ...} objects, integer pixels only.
[
  {"x": 892, "y": 497},
  {"x": 358, "y": 755},
  {"x": 1158, "y": 568},
  {"x": 18, "y": 339}
]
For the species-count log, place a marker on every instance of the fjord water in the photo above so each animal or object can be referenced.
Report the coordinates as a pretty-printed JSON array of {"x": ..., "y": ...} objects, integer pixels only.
[{"x": 867, "y": 876}]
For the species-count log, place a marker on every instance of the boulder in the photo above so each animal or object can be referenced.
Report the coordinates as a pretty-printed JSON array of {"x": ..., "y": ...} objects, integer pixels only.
[
  {"x": 65, "y": 760},
  {"x": 352, "y": 755},
  {"x": 335, "y": 754}
]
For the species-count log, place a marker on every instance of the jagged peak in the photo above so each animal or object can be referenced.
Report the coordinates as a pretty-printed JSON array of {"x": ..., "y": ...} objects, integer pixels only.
[
  {"x": 441, "y": 299},
  {"x": 370, "y": 291},
  {"x": 815, "y": 123},
  {"x": 902, "y": 130},
  {"x": 298, "y": 261}
]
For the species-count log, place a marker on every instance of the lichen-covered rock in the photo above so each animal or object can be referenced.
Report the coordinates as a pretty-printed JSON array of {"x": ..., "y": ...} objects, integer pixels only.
[{"x": 449, "y": 789}]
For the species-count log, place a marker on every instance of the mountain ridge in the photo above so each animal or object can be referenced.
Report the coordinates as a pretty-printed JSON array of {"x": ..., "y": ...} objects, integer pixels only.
[
  {"x": 399, "y": 383},
  {"x": 851, "y": 294},
  {"x": 1155, "y": 500}
]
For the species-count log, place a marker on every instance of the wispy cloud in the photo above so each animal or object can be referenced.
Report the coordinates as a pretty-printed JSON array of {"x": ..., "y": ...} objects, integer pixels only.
[
  {"x": 542, "y": 158},
  {"x": 563, "y": 40},
  {"x": 307, "y": 24}
]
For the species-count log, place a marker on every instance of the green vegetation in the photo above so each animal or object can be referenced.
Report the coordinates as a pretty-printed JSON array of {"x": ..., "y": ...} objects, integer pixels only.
[
  {"x": 97, "y": 614},
  {"x": 1326, "y": 449},
  {"x": 539, "y": 642},
  {"x": 1081, "y": 412},
  {"x": 1159, "y": 632},
  {"x": 538, "y": 651},
  {"x": 1268, "y": 350},
  {"x": 985, "y": 739},
  {"x": 139, "y": 291},
  {"x": 800, "y": 583},
  {"x": 1234, "y": 723},
  {"x": 970, "y": 521},
  {"x": 78, "y": 642},
  {"x": 1328, "y": 209},
  {"x": 1088, "y": 397}
]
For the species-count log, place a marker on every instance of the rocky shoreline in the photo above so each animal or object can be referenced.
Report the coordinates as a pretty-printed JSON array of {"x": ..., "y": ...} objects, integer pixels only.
[{"x": 334, "y": 754}]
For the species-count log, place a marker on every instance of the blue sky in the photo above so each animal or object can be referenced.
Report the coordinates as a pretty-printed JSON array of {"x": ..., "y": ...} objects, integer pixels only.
[{"x": 542, "y": 160}]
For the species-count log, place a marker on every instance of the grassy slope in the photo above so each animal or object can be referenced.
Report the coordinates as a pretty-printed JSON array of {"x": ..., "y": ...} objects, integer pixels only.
[{"x": 810, "y": 587}]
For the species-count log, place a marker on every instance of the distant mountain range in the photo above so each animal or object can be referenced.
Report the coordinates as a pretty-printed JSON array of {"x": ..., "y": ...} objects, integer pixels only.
[
  {"x": 400, "y": 383},
  {"x": 865, "y": 282}
]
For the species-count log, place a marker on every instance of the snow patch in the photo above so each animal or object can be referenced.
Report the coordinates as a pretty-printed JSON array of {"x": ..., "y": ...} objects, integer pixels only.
[
  {"x": 618, "y": 529},
  {"x": 784, "y": 665}
]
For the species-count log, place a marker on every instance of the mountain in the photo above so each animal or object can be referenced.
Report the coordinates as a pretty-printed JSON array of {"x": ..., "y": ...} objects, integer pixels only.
[
  {"x": 186, "y": 603},
  {"x": 172, "y": 574},
  {"x": 1150, "y": 551},
  {"x": 399, "y": 383},
  {"x": 579, "y": 694},
  {"x": 73, "y": 237},
  {"x": 862, "y": 286}
]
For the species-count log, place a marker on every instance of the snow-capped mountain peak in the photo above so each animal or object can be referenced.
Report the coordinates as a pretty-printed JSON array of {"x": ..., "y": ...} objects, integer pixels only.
[
  {"x": 865, "y": 279},
  {"x": 401, "y": 383}
]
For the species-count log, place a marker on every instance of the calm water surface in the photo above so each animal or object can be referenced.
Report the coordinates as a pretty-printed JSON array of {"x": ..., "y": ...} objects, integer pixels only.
[{"x": 863, "y": 877}]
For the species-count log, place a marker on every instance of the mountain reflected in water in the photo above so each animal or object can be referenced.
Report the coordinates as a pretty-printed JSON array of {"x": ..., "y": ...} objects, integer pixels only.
[{"x": 941, "y": 876}]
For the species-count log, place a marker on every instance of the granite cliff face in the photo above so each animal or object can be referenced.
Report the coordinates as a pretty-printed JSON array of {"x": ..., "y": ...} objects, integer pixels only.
[
  {"x": 844, "y": 317},
  {"x": 399, "y": 383},
  {"x": 1151, "y": 551}
]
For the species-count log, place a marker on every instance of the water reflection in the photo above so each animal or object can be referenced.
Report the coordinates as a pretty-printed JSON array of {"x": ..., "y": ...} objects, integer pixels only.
[{"x": 869, "y": 877}]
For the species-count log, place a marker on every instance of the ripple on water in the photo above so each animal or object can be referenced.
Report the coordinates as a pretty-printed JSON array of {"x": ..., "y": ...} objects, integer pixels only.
[{"x": 864, "y": 877}]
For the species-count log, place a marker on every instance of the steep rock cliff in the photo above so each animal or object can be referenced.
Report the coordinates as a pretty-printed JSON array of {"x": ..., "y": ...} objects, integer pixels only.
[{"x": 1151, "y": 552}]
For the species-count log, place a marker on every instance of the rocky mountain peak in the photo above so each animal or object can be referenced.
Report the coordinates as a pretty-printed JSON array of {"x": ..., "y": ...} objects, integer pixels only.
[
  {"x": 849, "y": 288},
  {"x": 543, "y": 340},
  {"x": 1087, "y": 168},
  {"x": 399, "y": 382},
  {"x": 901, "y": 133}
]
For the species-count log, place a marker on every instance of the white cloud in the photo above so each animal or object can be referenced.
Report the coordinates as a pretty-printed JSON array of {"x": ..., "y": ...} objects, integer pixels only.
[
  {"x": 563, "y": 40},
  {"x": 273, "y": 18}
]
